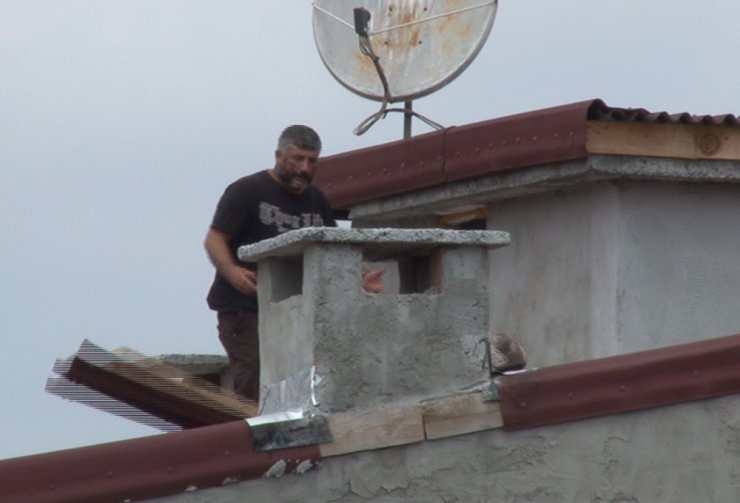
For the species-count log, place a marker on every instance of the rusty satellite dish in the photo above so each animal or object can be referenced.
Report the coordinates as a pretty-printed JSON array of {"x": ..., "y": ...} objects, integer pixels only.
[{"x": 399, "y": 50}]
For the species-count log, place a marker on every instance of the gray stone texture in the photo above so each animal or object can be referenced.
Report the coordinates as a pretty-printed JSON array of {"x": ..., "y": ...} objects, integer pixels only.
[
  {"x": 610, "y": 255},
  {"x": 370, "y": 349},
  {"x": 617, "y": 267},
  {"x": 680, "y": 453}
]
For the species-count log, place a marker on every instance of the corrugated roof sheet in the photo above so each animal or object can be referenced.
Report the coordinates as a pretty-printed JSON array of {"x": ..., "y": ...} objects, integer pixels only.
[{"x": 602, "y": 112}]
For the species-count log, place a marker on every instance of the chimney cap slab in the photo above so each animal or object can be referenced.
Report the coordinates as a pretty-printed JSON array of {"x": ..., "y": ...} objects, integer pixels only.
[{"x": 373, "y": 241}]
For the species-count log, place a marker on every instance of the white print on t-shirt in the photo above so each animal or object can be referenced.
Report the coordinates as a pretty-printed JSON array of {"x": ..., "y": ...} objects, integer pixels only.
[{"x": 272, "y": 215}]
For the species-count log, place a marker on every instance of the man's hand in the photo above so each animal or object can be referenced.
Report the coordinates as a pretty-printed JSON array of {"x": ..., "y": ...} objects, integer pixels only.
[
  {"x": 372, "y": 281},
  {"x": 242, "y": 279}
]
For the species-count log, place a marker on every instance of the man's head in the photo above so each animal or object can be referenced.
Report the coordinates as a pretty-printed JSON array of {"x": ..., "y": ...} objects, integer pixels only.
[{"x": 296, "y": 155}]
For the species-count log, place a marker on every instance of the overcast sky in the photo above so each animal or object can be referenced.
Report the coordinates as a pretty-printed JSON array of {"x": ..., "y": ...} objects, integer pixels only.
[{"x": 121, "y": 122}]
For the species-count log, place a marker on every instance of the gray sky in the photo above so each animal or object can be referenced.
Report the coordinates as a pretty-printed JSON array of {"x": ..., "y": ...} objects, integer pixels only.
[{"x": 122, "y": 121}]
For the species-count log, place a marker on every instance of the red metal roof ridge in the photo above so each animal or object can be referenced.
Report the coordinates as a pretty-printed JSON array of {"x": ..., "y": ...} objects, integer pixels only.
[
  {"x": 547, "y": 135},
  {"x": 544, "y": 136},
  {"x": 653, "y": 378},
  {"x": 212, "y": 456},
  {"x": 149, "y": 467}
]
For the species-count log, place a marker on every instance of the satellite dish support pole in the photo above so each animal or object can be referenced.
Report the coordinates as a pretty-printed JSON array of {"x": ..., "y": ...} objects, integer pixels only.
[
  {"x": 409, "y": 75},
  {"x": 362, "y": 18},
  {"x": 407, "y": 116}
]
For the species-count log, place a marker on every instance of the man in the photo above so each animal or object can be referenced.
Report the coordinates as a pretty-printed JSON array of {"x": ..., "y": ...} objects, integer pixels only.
[{"x": 253, "y": 208}]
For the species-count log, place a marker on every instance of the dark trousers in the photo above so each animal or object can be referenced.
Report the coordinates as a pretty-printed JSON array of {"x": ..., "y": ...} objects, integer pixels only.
[{"x": 237, "y": 331}]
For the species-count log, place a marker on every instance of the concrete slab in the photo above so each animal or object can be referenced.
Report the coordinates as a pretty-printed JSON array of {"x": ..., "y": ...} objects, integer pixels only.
[{"x": 378, "y": 243}]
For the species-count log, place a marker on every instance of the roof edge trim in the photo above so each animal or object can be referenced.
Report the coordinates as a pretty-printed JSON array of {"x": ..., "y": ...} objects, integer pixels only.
[{"x": 569, "y": 392}]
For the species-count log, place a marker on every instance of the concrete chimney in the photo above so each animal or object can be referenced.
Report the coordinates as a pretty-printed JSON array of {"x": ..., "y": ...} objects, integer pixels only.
[{"x": 327, "y": 343}]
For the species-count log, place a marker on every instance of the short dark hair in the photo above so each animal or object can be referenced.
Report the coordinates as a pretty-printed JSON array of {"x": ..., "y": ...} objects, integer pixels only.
[{"x": 301, "y": 136}]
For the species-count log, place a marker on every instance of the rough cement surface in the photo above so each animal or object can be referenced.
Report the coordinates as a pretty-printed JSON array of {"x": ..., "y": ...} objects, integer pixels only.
[
  {"x": 369, "y": 349},
  {"x": 616, "y": 267},
  {"x": 290, "y": 339},
  {"x": 370, "y": 364},
  {"x": 293, "y": 242},
  {"x": 595, "y": 269},
  {"x": 680, "y": 453},
  {"x": 538, "y": 179}
]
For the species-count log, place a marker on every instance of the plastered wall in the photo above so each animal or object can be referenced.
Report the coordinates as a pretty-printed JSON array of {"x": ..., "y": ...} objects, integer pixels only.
[
  {"x": 617, "y": 267},
  {"x": 680, "y": 453},
  {"x": 594, "y": 269}
]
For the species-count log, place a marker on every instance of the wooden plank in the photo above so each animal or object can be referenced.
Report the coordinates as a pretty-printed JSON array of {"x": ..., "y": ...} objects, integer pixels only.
[
  {"x": 683, "y": 141},
  {"x": 460, "y": 414},
  {"x": 373, "y": 429},
  {"x": 169, "y": 379},
  {"x": 391, "y": 426},
  {"x": 451, "y": 220}
]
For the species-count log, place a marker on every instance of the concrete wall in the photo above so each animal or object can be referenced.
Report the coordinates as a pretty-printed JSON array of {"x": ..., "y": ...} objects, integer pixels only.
[
  {"x": 607, "y": 257},
  {"x": 616, "y": 267},
  {"x": 327, "y": 343},
  {"x": 681, "y": 453}
]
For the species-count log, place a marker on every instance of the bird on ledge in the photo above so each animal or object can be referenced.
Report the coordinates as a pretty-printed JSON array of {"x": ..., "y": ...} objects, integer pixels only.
[{"x": 503, "y": 354}]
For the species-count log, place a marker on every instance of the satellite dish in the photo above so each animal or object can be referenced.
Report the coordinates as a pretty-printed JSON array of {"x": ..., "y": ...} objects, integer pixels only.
[{"x": 399, "y": 50}]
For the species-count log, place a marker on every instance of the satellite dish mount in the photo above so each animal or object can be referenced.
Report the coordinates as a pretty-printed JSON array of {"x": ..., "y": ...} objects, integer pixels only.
[
  {"x": 362, "y": 18},
  {"x": 407, "y": 48}
]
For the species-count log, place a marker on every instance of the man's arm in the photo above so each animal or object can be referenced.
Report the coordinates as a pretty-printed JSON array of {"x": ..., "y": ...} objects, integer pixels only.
[
  {"x": 372, "y": 281},
  {"x": 241, "y": 278}
]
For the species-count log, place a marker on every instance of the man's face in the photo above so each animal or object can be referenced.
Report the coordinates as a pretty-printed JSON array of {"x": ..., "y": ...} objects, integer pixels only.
[{"x": 295, "y": 168}]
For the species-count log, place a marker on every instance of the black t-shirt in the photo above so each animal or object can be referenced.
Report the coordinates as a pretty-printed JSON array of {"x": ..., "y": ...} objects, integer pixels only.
[{"x": 252, "y": 209}]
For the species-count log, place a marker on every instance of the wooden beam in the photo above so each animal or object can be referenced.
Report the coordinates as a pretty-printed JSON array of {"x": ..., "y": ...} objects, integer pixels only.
[
  {"x": 154, "y": 373},
  {"x": 453, "y": 219},
  {"x": 683, "y": 141},
  {"x": 391, "y": 426},
  {"x": 460, "y": 414},
  {"x": 373, "y": 429}
]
